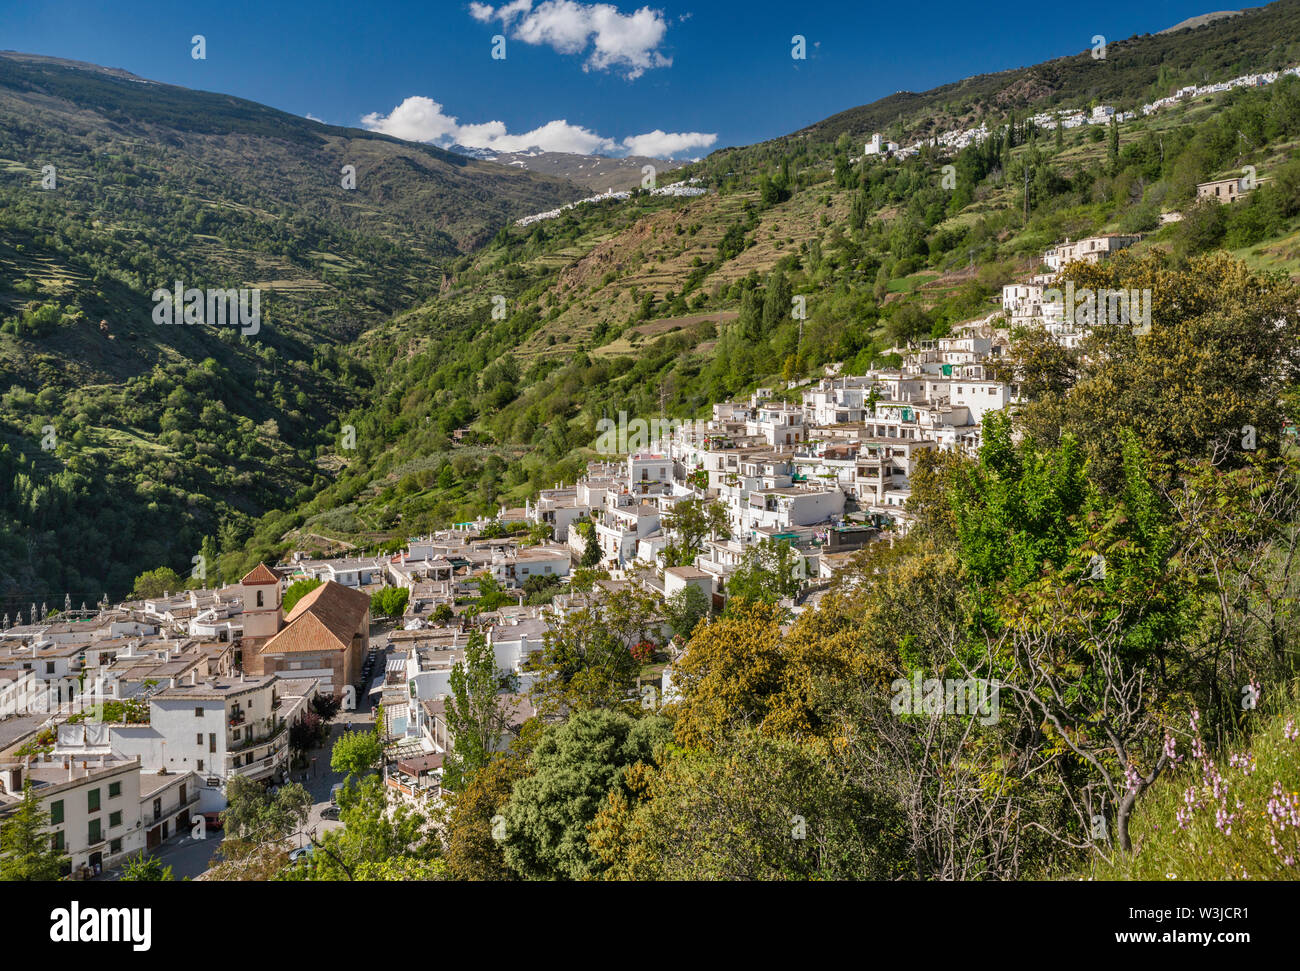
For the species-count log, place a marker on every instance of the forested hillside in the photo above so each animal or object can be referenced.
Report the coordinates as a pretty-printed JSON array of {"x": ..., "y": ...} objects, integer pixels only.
[{"x": 114, "y": 186}]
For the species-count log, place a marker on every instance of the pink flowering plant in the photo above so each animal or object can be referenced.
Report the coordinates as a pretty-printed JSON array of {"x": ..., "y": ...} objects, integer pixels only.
[{"x": 1231, "y": 817}]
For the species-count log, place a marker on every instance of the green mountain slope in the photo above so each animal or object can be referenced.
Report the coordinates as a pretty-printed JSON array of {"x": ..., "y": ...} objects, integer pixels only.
[
  {"x": 661, "y": 305},
  {"x": 165, "y": 435}
]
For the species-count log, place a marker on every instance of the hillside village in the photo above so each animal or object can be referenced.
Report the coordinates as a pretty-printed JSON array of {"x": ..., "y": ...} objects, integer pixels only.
[{"x": 824, "y": 475}]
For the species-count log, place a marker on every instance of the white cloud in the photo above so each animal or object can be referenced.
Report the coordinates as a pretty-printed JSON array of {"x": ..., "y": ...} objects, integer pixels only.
[
  {"x": 627, "y": 43},
  {"x": 666, "y": 144},
  {"x": 420, "y": 119}
]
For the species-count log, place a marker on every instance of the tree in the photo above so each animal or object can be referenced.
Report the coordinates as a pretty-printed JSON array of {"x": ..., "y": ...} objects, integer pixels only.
[
  {"x": 297, "y": 590},
  {"x": 1223, "y": 348},
  {"x": 154, "y": 583},
  {"x": 574, "y": 768},
  {"x": 769, "y": 571},
  {"x": 691, "y": 522},
  {"x": 146, "y": 869},
  {"x": 759, "y": 808},
  {"x": 378, "y": 841},
  {"x": 258, "y": 826},
  {"x": 305, "y": 733},
  {"x": 472, "y": 851},
  {"x": 491, "y": 593},
  {"x": 540, "y": 533},
  {"x": 326, "y": 706},
  {"x": 591, "y": 555},
  {"x": 586, "y": 661},
  {"x": 686, "y": 608},
  {"x": 1038, "y": 363},
  {"x": 357, "y": 753},
  {"x": 389, "y": 601},
  {"x": 476, "y": 715},
  {"x": 730, "y": 671},
  {"x": 26, "y": 848}
]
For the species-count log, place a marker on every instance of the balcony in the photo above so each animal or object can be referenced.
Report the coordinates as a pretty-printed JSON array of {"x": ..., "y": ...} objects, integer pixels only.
[
  {"x": 266, "y": 739},
  {"x": 237, "y": 717}
]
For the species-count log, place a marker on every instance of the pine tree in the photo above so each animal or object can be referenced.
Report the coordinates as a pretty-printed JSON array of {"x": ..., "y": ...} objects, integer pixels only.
[
  {"x": 591, "y": 553},
  {"x": 27, "y": 852},
  {"x": 1113, "y": 152}
]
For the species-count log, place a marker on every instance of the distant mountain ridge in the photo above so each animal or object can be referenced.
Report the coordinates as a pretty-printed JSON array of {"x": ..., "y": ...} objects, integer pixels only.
[{"x": 595, "y": 172}]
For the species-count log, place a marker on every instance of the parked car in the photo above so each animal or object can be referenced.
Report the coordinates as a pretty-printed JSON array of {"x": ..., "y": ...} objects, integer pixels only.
[
  {"x": 334, "y": 793},
  {"x": 213, "y": 820},
  {"x": 330, "y": 812},
  {"x": 300, "y": 853}
]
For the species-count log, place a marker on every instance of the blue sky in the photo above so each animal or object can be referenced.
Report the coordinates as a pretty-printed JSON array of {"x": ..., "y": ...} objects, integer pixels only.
[{"x": 677, "y": 78}]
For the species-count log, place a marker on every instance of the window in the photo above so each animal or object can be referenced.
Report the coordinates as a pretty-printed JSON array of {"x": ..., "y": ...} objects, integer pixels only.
[
  {"x": 259, "y": 598},
  {"x": 198, "y": 739},
  {"x": 96, "y": 832},
  {"x": 49, "y": 667},
  {"x": 114, "y": 790},
  {"x": 92, "y": 801},
  {"x": 57, "y": 842},
  {"x": 200, "y": 765},
  {"x": 198, "y": 712},
  {"x": 56, "y": 813},
  {"x": 115, "y": 847},
  {"x": 212, "y": 742},
  {"x": 237, "y": 734},
  {"x": 114, "y": 820}
]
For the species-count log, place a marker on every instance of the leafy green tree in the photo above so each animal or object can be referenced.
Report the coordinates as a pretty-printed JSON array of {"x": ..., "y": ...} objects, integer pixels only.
[
  {"x": 146, "y": 869},
  {"x": 154, "y": 583},
  {"x": 477, "y": 716},
  {"x": 472, "y": 851},
  {"x": 378, "y": 841},
  {"x": 692, "y": 521},
  {"x": 258, "y": 828},
  {"x": 591, "y": 555},
  {"x": 357, "y": 753},
  {"x": 491, "y": 593},
  {"x": 26, "y": 848},
  {"x": 686, "y": 608},
  {"x": 759, "y": 808},
  {"x": 768, "y": 571},
  {"x": 297, "y": 590},
  {"x": 574, "y": 768},
  {"x": 389, "y": 601},
  {"x": 587, "y": 659}
]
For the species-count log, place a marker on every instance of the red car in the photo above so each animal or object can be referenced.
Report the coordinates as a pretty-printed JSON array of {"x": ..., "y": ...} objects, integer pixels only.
[{"x": 212, "y": 820}]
